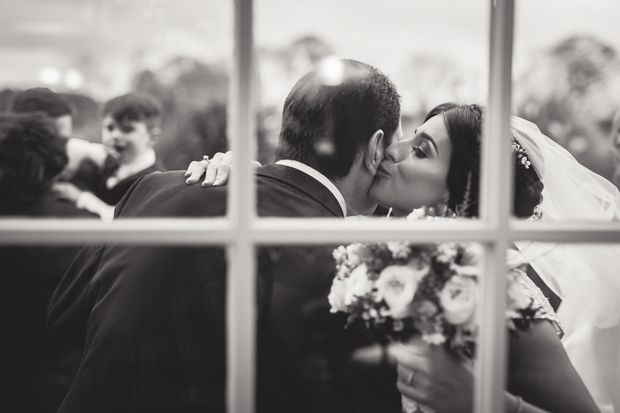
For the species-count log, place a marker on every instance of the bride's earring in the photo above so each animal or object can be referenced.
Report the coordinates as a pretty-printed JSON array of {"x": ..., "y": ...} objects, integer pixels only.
[{"x": 461, "y": 209}]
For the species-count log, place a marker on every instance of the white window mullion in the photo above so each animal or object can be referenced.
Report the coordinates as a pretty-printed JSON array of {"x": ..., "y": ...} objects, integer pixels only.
[
  {"x": 569, "y": 232},
  {"x": 495, "y": 202},
  {"x": 241, "y": 286},
  {"x": 218, "y": 231}
]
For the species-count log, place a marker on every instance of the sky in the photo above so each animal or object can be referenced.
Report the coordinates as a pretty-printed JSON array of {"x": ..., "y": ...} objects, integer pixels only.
[{"x": 95, "y": 46}]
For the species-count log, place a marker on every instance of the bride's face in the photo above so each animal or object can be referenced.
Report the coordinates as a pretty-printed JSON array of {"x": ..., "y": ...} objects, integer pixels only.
[{"x": 414, "y": 171}]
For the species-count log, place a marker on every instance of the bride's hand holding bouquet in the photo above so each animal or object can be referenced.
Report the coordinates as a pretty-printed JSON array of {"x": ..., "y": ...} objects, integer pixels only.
[{"x": 433, "y": 376}]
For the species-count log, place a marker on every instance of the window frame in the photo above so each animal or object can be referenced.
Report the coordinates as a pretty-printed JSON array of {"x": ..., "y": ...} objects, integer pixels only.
[{"x": 241, "y": 231}]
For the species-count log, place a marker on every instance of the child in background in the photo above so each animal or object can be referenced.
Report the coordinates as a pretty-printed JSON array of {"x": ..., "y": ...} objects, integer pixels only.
[{"x": 129, "y": 127}]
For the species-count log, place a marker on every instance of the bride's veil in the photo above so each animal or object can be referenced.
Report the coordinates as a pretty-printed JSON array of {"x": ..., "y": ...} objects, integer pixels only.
[
  {"x": 588, "y": 273},
  {"x": 585, "y": 277}
]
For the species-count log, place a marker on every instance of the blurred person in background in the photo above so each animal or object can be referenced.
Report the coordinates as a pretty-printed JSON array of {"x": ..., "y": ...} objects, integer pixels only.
[
  {"x": 615, "y": 143},
  {"x": 129, "y": 128},
  {"x": 62, "y": 111},
  {"x": 32, "y": 155}
]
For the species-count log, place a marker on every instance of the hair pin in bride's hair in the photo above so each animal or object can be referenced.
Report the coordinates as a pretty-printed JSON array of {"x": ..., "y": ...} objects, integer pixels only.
[
  {"x": 461, "y": 209},
  {"x": 536, "y": 215},
  {"x": 521, "y": 154}
]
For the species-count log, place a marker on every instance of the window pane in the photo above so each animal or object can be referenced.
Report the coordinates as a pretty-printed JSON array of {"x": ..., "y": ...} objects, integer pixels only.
[
  {"x": 567, "y": 78},
  {"x": 151, "y": 321},
  {"x": 41, "y": 368},
  {"x": 304, "y": 352},
  {"x": 334, "y": 311},
  {"x": 581, "y": 282},
  {"x": 449, "y": 65},
  {"x": 90, "y": 52},
  {"x": 307, "y": 360}
]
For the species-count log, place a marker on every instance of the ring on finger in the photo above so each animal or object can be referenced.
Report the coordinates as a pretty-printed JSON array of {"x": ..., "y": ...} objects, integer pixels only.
[{"x": 410, "y": 377}]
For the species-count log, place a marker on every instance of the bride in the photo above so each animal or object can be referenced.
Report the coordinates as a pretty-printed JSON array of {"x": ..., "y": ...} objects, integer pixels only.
[
  {"x": 433, "y": 168},
  {"x": 438, "y": 160}
]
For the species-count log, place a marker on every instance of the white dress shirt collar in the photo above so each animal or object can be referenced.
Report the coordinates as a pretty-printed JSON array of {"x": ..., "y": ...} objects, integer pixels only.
[
  {"x": 319, "y": 177},
  {"x": 143, "y": 161}
]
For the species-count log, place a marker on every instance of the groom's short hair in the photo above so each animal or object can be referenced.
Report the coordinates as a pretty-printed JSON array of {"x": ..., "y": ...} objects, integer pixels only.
[{"x": 325, "y": 125}]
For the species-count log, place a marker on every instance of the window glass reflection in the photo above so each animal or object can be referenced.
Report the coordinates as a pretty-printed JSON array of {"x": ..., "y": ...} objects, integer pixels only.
[
  {"x": 561, "y": 70},
  {"x": 128, "y": 327},
  {"x": 133, "y": 86},
  {"x": 340, "y": 331}
]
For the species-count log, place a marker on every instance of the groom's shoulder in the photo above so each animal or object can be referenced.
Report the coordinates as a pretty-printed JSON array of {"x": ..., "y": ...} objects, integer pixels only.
[
  {"x": 288, "y": 192},
  {"x": 167, "y": 194},
  {"x": 170, "y": 182},
  {"x": 160, "y": 179}
]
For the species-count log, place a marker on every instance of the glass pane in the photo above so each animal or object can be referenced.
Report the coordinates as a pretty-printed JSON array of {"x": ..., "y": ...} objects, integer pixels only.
[
  {"x": 566, "y": 79},
  {"x": 41, "y": 368},
  {"x": 449, "y": 65},
  {"x": 581, "y": 283},
  {"x": 304, "y": 352},
  {"x": 172, "y": 58},
  {"x": 337, "y": 315},
  {"x": 429, "y": 297},
  {"x": 150, "y": 321}
]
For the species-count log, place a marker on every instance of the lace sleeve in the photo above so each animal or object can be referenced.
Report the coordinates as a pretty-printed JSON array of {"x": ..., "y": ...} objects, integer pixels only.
[{"x": 545, "y": 311}]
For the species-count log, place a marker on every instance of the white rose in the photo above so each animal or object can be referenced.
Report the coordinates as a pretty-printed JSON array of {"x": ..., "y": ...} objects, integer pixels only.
[
  {"x": 472, "y": 255},
  {"x": 471, "y": 261},
  {"x": 399, "y": 250},
  {"x": 517, "y": 297},
  {"x": 340, "y": 253},
  {"x": 446, "y": 252},
  {"x": 336, "y": 295},
  {"x": 354, "y": 253},
  {"x": 418, "y": 213},
  {"x": 459, "y": 299},
  {"x": 397, "y": 285},
  {"x": 357, "y": 284}
]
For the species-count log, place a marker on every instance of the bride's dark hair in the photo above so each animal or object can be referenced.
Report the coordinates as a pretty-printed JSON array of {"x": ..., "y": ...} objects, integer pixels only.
[{"x": 464, "y": 125}]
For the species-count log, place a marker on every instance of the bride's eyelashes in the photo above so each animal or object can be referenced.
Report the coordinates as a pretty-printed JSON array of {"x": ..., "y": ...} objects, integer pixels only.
[{"x": 417, "y": 151}]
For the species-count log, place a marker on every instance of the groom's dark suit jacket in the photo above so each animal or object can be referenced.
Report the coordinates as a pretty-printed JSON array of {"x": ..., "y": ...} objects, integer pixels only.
[{"x": 151, "y": 319}]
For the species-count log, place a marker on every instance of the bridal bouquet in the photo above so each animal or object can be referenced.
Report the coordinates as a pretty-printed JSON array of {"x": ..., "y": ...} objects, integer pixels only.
[{"x": 402, "y": 289}]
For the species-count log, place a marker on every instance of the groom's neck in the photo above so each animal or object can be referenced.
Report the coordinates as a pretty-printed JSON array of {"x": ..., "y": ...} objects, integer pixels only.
[{"x": 355, "y": 194}]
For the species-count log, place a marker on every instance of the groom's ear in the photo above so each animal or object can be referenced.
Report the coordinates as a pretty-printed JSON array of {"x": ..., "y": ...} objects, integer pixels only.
[{"x": 374, "y": 152}]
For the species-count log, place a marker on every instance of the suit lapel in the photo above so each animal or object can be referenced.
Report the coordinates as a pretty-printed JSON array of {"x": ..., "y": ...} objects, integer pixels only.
[{"x": 304, "y": 183}]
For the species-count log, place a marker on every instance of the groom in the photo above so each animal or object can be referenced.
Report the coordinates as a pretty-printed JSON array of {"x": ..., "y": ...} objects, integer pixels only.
[{"x": 151, "y": 319}]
